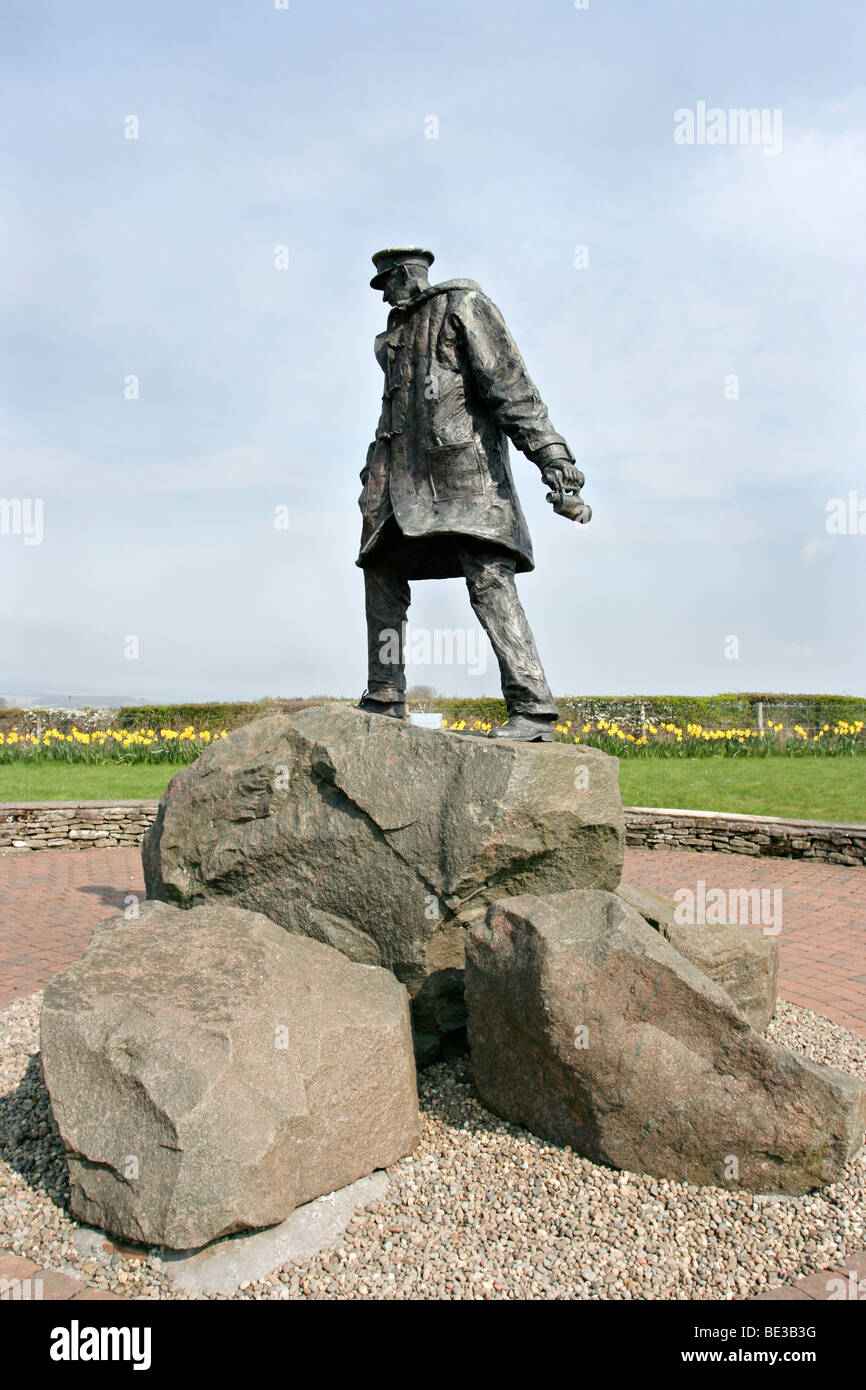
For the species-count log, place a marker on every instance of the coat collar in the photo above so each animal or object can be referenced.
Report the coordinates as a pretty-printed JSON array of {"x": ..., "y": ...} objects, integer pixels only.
[{"x": 443, "y": 288}]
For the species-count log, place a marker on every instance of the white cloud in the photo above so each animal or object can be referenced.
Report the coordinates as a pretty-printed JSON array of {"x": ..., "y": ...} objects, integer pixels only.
[{"x": 814, "y": 547}]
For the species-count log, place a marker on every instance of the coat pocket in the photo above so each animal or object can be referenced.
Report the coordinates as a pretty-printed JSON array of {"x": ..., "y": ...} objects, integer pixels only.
[{"x": 454, "y": 469}]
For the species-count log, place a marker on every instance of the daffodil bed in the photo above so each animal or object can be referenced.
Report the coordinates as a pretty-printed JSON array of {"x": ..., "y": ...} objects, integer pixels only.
[
  {"x": 694, "y": 741},
  {"x": 106, "y": 745},
  {"x": 655, "y": 741}
]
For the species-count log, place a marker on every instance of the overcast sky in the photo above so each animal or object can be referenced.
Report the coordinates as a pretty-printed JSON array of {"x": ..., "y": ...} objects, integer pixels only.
[{"x": 706, "y": 365}]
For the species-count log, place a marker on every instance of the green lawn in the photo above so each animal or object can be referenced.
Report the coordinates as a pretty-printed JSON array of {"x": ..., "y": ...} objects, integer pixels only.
[
  {"x": 806, "y": 788},
  {"x": 84, "y": 781}
]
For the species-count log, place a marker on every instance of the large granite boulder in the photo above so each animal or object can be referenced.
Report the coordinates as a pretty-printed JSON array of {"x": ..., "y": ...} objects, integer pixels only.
[
  {"x": 589, "y": 1029},
  {"x": 209, "y": 1073},
  {"x": 741, "y": 959},
  {"x": 382, "y": 839}
]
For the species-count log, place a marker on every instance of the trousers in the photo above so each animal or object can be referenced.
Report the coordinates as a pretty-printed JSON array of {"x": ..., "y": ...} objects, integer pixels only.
[{"x": 489, "y": 573}]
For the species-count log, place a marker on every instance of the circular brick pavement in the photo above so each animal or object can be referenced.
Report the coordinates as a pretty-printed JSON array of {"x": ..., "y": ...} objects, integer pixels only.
[{"x": 50, "y": 902}]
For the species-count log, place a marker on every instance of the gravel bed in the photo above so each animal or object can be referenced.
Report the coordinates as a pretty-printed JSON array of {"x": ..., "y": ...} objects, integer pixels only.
[{"x": 481, "y": 1209}]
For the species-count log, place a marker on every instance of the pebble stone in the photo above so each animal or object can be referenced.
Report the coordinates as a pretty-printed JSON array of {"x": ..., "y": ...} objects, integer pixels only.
[{"x": 481, "y": 1210}]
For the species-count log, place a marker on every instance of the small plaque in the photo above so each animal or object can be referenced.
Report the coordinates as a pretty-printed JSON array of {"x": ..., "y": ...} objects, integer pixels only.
[{"x": 426, "y": 721}]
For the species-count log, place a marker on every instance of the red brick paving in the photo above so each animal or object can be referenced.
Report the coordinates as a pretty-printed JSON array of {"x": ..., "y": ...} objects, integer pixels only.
[
  {"x": 50, "y": 900},
  {"x": 845, "y": 1280},
  {"x": 21, "y": 1279}
]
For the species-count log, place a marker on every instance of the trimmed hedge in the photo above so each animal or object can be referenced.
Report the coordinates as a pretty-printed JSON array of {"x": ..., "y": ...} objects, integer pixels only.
[
  {"x": 729, "y": 711},
  {"x": 712, "y": 711},
  {"x": 213, "y": 717}
]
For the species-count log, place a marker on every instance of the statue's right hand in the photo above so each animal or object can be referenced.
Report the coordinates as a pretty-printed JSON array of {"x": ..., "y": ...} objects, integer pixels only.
[
  {"x": 571, "y": 476},
  {"x": 552, "y": 477}
]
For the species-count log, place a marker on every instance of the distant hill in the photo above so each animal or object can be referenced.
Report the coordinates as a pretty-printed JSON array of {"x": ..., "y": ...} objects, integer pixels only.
[{"x": 51, "y": 700}]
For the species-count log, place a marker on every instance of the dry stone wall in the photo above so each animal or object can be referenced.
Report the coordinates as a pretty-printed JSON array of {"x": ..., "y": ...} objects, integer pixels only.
[
  {"x": 767, "y": 836},
  {"x": 74, "y": 825},
  {"x": 78, "y": 825}
]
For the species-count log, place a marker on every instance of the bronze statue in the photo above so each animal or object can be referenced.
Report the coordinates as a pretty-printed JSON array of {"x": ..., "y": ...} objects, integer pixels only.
[{"x": 438, "y": 497}]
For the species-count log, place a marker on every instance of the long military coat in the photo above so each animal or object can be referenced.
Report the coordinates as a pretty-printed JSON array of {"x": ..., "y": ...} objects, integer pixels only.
[{"x": 456, "y": 390}]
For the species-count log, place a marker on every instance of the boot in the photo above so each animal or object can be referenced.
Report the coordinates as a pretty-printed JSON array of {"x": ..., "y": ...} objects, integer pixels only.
[
  {"x": 393, "y": 708},
  {"x": 526, "y": 728}
]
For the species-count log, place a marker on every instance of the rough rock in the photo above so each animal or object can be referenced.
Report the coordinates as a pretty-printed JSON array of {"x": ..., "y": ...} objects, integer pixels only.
[
  {"x": 384, "y": 839},
  {"x": 588, "y": 1028},
  {"x": 741, "y": 959},
  {"x": 209, "y": 1073}
]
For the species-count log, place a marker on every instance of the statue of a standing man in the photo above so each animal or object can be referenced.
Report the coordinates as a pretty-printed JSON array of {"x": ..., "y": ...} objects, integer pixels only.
[{"x": 438, "y": 497}]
